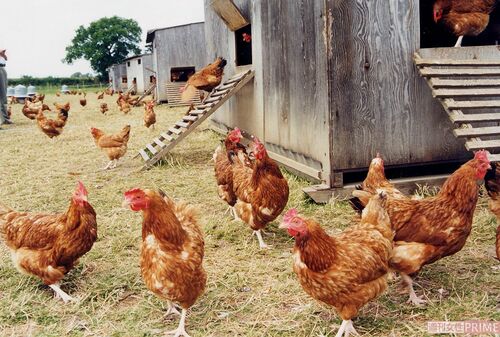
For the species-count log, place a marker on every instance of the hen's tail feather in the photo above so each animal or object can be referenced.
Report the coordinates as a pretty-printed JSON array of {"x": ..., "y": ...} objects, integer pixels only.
[
  {"x": 125, "y": 133},
  {"x": 359, "y": 200},
  {"x": 356, "y": 205},
  {"x": 188, "y": 94}
]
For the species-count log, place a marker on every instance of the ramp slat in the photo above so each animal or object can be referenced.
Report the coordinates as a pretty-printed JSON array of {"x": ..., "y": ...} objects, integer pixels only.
[
  {"x": 466, "y": 92},
  {"x": 466, "y": 83},
  {"x": 477, "y": 132},
  {"x": 449, "y": 72},
  {"x": 461, "y": 118},
  {"x": 453, "y": 104},
  {"x": 151, "y": 149},
  {"x": 144, "y": 155},
  {"x": 474, "y": 145}
]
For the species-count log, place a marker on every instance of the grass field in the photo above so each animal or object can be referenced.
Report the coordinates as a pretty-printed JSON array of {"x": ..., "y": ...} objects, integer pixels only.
[{"x": 249, "y": 292}]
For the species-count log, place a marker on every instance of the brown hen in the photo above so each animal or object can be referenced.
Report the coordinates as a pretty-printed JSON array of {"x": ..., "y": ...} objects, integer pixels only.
[
  {"x": 49, "y": 245},
  {"x": 347, "y": 270},
  {"x": 172, "y": 250}
]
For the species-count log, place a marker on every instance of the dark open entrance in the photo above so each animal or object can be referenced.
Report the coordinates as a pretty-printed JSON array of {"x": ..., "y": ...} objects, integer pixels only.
[
  {"x": 181, "y": 74},
  {"x": 434, "y": 35},
  {"x": 243, "y": 45}
]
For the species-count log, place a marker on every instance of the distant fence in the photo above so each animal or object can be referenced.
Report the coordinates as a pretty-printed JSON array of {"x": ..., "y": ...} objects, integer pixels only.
[{"x": 57, "y": 81}]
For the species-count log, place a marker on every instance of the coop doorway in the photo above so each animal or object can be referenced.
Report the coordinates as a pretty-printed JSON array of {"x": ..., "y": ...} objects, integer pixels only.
[
  {"x": 181, "y": 74},
  {"x": 435, "y": 35},
  {"x": 243, "y": 45}
]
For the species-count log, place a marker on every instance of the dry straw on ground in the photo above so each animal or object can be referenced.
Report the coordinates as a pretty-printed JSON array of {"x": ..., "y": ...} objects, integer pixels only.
[{"x": 249, "y": 293}]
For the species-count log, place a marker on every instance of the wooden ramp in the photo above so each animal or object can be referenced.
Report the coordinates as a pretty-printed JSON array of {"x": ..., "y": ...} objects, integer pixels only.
[
  {"x": 469, "y": 90},
  {"x": 145, "y": 93},
  {"x": 167, "y": 140}
]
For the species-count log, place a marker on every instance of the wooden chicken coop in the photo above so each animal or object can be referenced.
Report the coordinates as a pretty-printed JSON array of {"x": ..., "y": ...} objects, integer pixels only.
[
  {"x": 335, "y": 83},
  {"x": 178, "y": 52},
  {"x": 140, "y": 73},
  {"x": 118, "y": 76}
]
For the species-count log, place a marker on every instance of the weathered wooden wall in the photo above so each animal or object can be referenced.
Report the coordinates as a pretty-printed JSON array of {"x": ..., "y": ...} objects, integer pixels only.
[
  {"x": 335, "y": 83},
  {"x": 286, "y": 104},
  {"x": 295, "y": 81},
  {"x": 139, "y": 71},
  {"x": 378, "y": 102},
  {"x": 180, "y": 46},
  {"x": 147, "y": 71},
  {"x": 116, "y": 72},
  {"x": 245, "y": 110}
]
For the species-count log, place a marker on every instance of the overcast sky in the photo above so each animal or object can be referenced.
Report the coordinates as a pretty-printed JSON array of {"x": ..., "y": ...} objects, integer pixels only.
[{"x": 36, "y": 33}]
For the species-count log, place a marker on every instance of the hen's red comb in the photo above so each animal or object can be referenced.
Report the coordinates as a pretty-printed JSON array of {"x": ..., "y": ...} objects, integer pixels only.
[
  {"x": 482, "y": 155},
  {"x": 289, "y": 215},
  {"x": 81, "y": 188},
  {"x": 236, "y": 132},
  {"x": 133, "y": 191}
]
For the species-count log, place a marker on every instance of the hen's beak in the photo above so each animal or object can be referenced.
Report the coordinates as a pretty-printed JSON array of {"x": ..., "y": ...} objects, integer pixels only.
[{"x": 283, "y": 225}]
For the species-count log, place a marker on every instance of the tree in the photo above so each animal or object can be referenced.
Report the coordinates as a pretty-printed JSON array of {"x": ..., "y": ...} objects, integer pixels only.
[
  {"x": 105, "y": 42},
  {"x": 76, "y": 75}
]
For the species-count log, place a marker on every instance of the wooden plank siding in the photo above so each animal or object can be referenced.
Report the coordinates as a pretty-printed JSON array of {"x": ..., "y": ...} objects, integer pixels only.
[
  {"x": 116, "y": 72},
  {"x": 141, "y": 72},
  {"x": 295, "y": 79},
  {"x": 286, "y": 105},
  {"x": 335, "y": 83},
  {"x": 378, "y": 101},
  {"x": 245, "y": 109},
  {"x": 180, "y": 46}
]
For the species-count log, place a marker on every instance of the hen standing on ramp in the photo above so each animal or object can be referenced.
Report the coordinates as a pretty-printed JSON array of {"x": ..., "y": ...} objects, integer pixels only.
[{"x": 206, "y": 79}]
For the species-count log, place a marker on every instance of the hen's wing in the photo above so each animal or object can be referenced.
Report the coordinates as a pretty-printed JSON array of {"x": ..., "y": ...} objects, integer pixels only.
[
  {"x": 108, "y": 141},
  {"x": 242, "y": 177},
  {"x": 473, "y": 6},
  {"x": 31, "y": 231},
  {"x": 467, "y": 23}
]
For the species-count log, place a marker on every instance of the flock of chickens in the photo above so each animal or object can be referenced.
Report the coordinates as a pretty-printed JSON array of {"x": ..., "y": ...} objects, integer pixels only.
[
  {"x": 394, "y": 232},
  {"x": 346, "y": 271}
]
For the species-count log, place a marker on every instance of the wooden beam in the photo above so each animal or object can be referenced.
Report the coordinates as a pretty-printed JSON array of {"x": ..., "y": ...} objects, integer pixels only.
[
  {"x": 143, "y": 154},
  {"x": 296, "y": 165},
  {"x": 322, "y": 193},
  {"x": 450, "y": 62},
  {"x": 462, "y": 118},
  {"x": 450, "y": 72},
  {"x": 466, "y": 83},
  {"x": 453, "y": 105},
  {"x": 494, "y": 158},
  {"x": 229, "y": 13},
  {"x": 477, "y": 132},
  {"x": 466, "y": 92},
  {"x": 474, "y": 145},
  {"x": 159, "y": 143}
]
